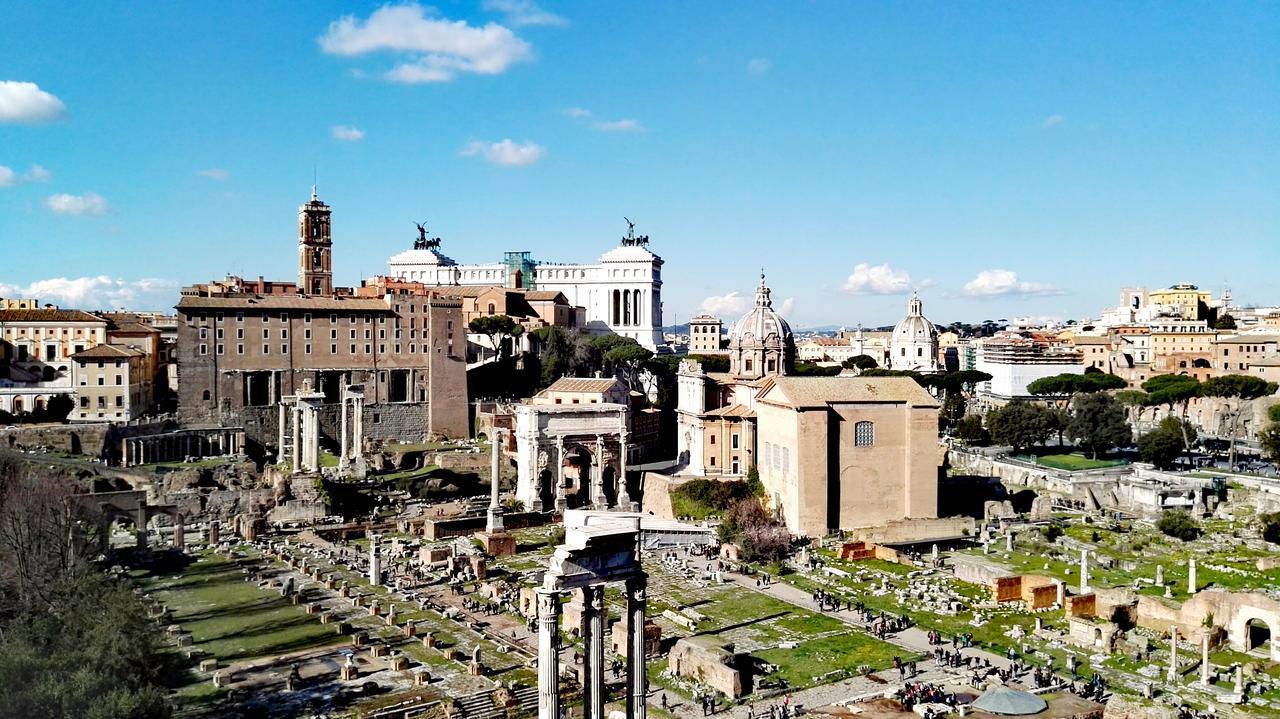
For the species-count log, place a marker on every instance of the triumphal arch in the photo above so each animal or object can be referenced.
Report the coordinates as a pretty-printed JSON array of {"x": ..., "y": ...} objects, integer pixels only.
[{"x": 572, "y": 455}]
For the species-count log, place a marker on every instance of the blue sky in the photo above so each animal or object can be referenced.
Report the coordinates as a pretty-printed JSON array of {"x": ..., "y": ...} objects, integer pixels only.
[{"x": 1004, "y": 159}]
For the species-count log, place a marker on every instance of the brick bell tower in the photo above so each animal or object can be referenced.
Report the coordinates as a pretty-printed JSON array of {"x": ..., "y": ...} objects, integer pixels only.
[{"x": 315, "y": 248}]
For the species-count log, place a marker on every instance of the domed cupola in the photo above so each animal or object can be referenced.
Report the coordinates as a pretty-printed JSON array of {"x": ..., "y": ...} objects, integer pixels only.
[
  {"x": 914, "y": 345},
  {"x": 761, "y": 343}
]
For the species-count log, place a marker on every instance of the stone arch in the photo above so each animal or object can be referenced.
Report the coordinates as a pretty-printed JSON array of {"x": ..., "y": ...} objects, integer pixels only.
[
  {"x": 1247, "y": 630},
  {"x": 17, "y": 405},
  {"x": 1257, "y": 634}
]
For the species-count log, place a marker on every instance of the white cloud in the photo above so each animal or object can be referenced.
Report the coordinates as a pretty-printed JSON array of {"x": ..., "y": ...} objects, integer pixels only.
[
  {"x": 730, "y": 305},
  {"x": 505, "y": 152},
  {"x": 439, "y": 48},
  {"x": 576, "y": 112},
  {"x": 25, "y": 103},
  {"x": 102, "y": 292},
  {"x": 215, "y": 173},
  {"x": 90, "y": 203},
  {"x": 9, "y": 178},
  {"x": 995, "y": 283},
  {"x": 619, "y": 126},
  {"x": 867, "y": 279},
  {"x": 1052, "y": 121},
  {"x": 524, "y": 12},
  {"x": 759, "y": 65},
  {"x": 347, "y": 133},
  {"x": 785, "y": 308},
  {"x": 37, "y": 174}
]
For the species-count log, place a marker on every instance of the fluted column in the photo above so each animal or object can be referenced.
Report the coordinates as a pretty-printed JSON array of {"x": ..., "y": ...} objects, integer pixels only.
[
  {"x": 637, "y": 678},
  {"x": 598, "y": 498},
  {"x": 548, "y": 602},
  {"x": 295, "y": 452},
  {"x": 283, "y": 412},
  {"x": 593, "y": 614},
  {"x": 562, "y": 501},
  {"x": 342, "y": 429},
  {"x": 624, "y": 497}
]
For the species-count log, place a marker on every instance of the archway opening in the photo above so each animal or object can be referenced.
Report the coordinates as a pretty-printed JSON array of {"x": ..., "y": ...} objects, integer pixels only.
[
  {"x": 1257, "y": 635},
  {"x": 577, "y": 476}
]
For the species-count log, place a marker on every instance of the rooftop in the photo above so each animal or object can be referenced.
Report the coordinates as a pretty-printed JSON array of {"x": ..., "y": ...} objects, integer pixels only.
[
  {"x": 50, "y": 315},
  {"x": 822, "y": 391}
]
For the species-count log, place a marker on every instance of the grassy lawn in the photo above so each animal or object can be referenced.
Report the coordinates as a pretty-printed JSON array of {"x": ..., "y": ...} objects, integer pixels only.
[
  {"x": 419, "y": 447},
  {"x": 232, "y": 619},
  {"x": 813, "y": 662},
  {"x": 1072, "y": 462}
]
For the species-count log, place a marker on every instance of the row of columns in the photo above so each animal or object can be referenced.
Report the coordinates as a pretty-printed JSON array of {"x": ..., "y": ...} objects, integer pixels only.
[
  {"x": 594, "y": 619},
  {"x": 173, "y": 447},
  {"x": 352, "y": 424},
  {"x": 300, "y": 430}
]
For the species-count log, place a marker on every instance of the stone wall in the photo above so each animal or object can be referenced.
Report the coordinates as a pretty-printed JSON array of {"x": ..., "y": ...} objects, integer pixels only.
[
  {"x": 87, "y": 439},
  {"x": 657, "y": 493},
  {"x": 977, "y": 571},
  {"x": 710, "y": 662},
  {"x": 916, "y": 530}
]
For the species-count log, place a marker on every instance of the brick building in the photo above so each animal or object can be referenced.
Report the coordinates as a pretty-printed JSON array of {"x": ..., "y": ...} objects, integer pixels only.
[{"x": 239, "y": 351}]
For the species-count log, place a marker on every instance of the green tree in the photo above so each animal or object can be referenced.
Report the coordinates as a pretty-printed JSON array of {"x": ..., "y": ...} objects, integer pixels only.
[
  {"x": 498, "y": 328},
  {"x": 1098, "y": 423},
  {"x": 1225, "y": 322},
  {"x": 810, "y": 369},
  {"x": 1269, "y": 438},
  {"x": 1178, "y": 524},
  {"x": 1235, "y": 390},
  {"x": 860, "y": 362},
  {"x": 1134, "y": 400},
  {"x": 712, "y": 363},
  {"x": 970, "y": 431},
  {"x": 1162, "y": 445},
  {"x": 1173, "y": 391},
  {"x": 1019, "y": 425},
  {"x": 625, "y": 359}
]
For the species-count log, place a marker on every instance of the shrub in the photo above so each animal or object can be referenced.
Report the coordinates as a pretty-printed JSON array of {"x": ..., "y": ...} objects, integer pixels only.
[
  {"x": 701, "y": 498},
  {"x": 1179, "y": 525},
  {"x": 1269, "y": 525},
  {"x": 1051, "y": 532}
]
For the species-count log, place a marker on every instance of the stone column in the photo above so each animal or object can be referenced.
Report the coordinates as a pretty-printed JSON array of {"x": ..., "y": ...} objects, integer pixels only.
[
  {"x": 179, "y": 534},
  {"x": 494, "y": 523},
  {"x": 1204, "y": 659},
  {"x": 598, "y": 498},
  {"x": 141, "y": 533},
  {"x": 1008, "y": 541},
  {"x": 375, "y": 564},
  {"x": 1173, "y": 654},
  {"x": 1191, "y": 576},
  {"x": 562, "y": 501},
  {"x": 342, "y": 429},
  {"x": 1084, "y": 571},
  {"x": 593, "y": 616},
  {"x": 1159, "y": 575},
  {"x": 637, "y": 679},
  {"x": 357, "y": 436},
  {"x": 295, "y": 453},
  {"x": 624, "y": 497},
  {"x": 548, "y": 602},
  {"x": 282, "y": 428}
]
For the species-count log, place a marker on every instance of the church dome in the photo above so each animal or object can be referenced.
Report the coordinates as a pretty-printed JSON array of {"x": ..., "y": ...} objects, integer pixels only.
[
  {"x": 761, "y": 325},
  {"x": 915, "y": 327}
]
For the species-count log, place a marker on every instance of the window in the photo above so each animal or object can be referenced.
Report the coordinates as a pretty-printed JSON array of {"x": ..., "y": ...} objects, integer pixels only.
[
  {"x": 713, "y": 439},
  {"x": 306, "y": 349},
  {"x": 284, "y": 317},
  {"x": 284, "y": 349},
  {"x": 102, "y": 402},
  {"x": 239, "y": 317},
  {"x": 747, "y": 367},
  {"x": 734, "y": 440},
  {"x": 266, "y": 333},
  {"x": 204, "y": 349},
  {"x": 84, "y": 402},
  {"x": 101, "y": 380},
  {"x": 713, "y": 461},
  {"x": 239, "y": 333},
  {"x": 205, "y": 395},
  {"x": 204, "y": 333},
  {"x": 266, "y": 349},
  {"x": 119, "y": 379},
  {"x": 221, "y": 348},
  {"x": 333, "y": 349},
  {"x": 307, "y": 318},
  {"x": 864, "y": 434},
  {"x": 786, "y": 458},
  {"x": 239, "y": 349},
  {"x": 119, "y": 401}
]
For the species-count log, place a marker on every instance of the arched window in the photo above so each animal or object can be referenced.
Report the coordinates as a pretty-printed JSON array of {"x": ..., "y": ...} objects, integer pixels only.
[
  {"x": 492, "y": 308},
  {"x": 864, "y": 434},
  {"x": 205, "y": 395}
]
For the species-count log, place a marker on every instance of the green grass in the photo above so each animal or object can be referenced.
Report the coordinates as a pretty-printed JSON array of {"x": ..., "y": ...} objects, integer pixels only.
[
  {"x": 813, "y": 662},
  {"x": 232, "y": 619},
  {"x": 328, "y": 459},
  {"x": 418, "y": 447},
  {"x": 1072, "y": 462}
]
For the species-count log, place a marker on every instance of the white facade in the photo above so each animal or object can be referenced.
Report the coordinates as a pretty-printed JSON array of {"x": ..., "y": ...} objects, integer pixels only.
[
  {"x": 40, "y": 344},
  {"x": 621, "y": 293},
  {"x": 915, "y": 341},
  {"x": 1013, "y": 367}
]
